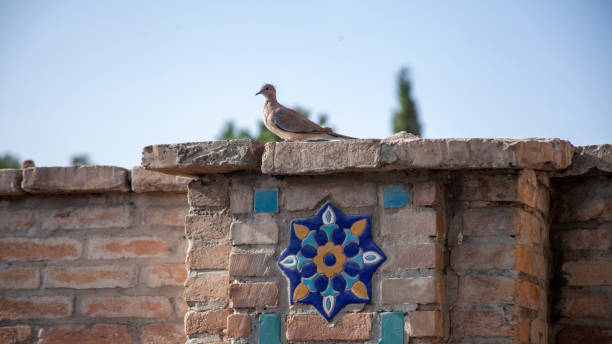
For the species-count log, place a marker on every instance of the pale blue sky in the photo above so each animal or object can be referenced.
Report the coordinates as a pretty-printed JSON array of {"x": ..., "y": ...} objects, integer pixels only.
[{"x": 109, "y": 77}]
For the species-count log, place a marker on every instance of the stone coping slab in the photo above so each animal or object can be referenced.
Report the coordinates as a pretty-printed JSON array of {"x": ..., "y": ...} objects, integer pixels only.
[
  {"x": 401, "y": 151},
  {"x": 75, "y": 179},
  {"x": 87, "y": 179},
  {"x": 196, "y": 158},
  {"x": 596, "y": 158}
]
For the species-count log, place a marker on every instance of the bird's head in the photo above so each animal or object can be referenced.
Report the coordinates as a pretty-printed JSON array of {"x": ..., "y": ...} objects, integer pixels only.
[{"x": 268, "y": 91}]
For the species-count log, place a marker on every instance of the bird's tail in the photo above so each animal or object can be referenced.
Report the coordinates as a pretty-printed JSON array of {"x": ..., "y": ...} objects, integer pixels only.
[
  {"x": 330, "y": 132},
  {"x": 341, "y": 137}
]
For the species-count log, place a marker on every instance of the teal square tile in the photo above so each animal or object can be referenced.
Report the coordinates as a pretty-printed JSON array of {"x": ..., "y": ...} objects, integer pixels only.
[
  {"x": 392, "y": 328},
  {"x": 269, "y": 329},
  {"x": 395, "y": 196},
  {"x": 266, "y": 201}
]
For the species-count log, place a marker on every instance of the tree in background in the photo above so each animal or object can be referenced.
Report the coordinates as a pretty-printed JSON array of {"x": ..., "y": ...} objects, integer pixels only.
[
  {"x": 81, "y": 159},
  {"x": 8, "y": 160},
  {"x": 407, "y": 117},
  {"x": 231, "y": 132}
]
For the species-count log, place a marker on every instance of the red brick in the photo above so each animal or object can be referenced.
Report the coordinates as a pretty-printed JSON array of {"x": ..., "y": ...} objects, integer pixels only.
[
  {"x": 181, "y": 306},
  {"x": 588, "y": 273},
  {"x": 263, "y": 230},
  {"x": 589, "y": 200},
  {"x": 162, "y": 275},
  {"x": 539, "y": 331},
  {"x": 482, "y": 256},
  {"x": 475, "y": 187},
  {"x": 89, "y": 277},
  {"x": 528, "y": 294},
  {"x": 208, "y": 226},
  {"x": 422, "y": 290},
  {"x": 208, "y": 257},
  {"x": 479, "y": 323},
  {"x": 96, "y": 334},
  {"x": 350, "y": 327},
  {"x": 132, "y": 247},
  {"x": 306, "y": 196},
  {"x": 411, "y": 223},
  {"x": 590, "y": 335},
  {"x": 238, "y": 326},
  {"x": 15, "y": 334},
  {"x": 485, "y": 289},
  {"x": 19, "y": 278},
  {"x": 426, "y": 324},
  {"x": 150, "y": 181},
  {"x": 575, "y": 305},
  {"x": 213, "y": 192},
  {"x": 493, "y": 221},
  {"x": 30, "y": 307},
  {"x": 209, "y": 322},
  {"x": 523, "y": 259},
  {"x": 241, "y": 198},
  {"x": 75, "y": 179},
  {"x": 243, "y": 295},
  {"x": 26, "y": 249},
  {"x": 163, "y": 333},
  {"x": 521, "y": 331},
  {"x": 249, "y": 264},
  {"x": 17, "y": 220},
  {"x": 164, "y": 216},
  {"x": 126, "y": 307},
  {"x": 10, "y": 182},
  {"x": 413, "y": 256},
  {"x": 209, "y": 288},
  {"x": 89, "y": 218},
  {"x": 585, "y": 240},
  {"x": 427, "y": 194}
]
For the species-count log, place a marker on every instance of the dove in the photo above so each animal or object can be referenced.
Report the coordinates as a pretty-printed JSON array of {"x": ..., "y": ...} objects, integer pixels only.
[{"x": 290, "y": 125}]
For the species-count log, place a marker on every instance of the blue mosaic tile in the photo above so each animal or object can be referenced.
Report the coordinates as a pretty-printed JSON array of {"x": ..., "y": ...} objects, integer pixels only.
[
  {"x": 266, "y": 201},
  {"x": 395, "y": 196},
  {"x": 392, "y": 328},
  {"x": 269, "y": 329},
  {"x": 330, "y": 260}
]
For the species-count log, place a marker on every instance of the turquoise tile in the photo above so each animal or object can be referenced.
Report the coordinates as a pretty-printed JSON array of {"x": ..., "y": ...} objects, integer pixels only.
[
  {"x": 266, "y": 201},
  {"x": 395, "y": 196},
  {"x": 269, "y": 329},
  {"x": 392, "y": 328}
]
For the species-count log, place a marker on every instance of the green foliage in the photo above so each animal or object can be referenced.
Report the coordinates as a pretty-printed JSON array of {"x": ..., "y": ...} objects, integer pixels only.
[
  {"x": 8, "y": 160},
  {"x": 231, "y": 132},
  {"x": 406, "y": 118},
  {"x": 81, "y": 159}
]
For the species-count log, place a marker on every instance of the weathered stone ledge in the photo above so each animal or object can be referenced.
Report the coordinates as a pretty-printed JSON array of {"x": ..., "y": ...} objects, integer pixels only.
[
  {"x": 398, "y": 152},
  {"x": 87, "y": 179},
  {"x": 203, "y": 157}
]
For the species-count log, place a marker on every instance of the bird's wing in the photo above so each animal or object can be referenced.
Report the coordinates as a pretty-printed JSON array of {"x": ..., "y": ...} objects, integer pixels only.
[{"x": 292, "y": 121}]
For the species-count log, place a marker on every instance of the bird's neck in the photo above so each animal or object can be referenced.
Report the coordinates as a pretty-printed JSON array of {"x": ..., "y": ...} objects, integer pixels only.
[{"x": 271, "y": 100}]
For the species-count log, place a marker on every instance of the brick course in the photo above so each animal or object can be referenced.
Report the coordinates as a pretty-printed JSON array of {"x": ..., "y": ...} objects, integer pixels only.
[{"x": 351, "y": 327}]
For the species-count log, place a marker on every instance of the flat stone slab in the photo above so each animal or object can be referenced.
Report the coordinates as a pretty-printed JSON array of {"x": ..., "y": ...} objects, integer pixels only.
[
  {"x": 590, "y": 158},
  {"x": 404, "y": 151},
  {"x": 10, "y": 180},
  {"x": 398, "y": 152},
  {"x": 75, "y": 179},
  {"x": 151, "y": 181},
  {"x": 196, "y": 158}
]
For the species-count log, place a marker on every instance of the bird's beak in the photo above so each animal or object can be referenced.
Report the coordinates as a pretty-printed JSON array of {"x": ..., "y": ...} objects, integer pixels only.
[{"x": 258, "y": 93}]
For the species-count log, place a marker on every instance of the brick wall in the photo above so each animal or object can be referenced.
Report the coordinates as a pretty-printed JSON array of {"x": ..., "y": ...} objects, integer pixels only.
[
  {"x": 582, "y": 260},
  {"x": 486, "y": 241},
  {"x": 91, "y": 254}
]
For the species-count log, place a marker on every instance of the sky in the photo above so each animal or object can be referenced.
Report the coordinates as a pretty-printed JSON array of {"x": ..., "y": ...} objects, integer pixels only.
[{"x": 107, "y": 78}]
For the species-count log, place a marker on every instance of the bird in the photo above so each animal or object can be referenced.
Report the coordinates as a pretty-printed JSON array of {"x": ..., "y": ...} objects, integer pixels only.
[{"x": 290, "y": 125}]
